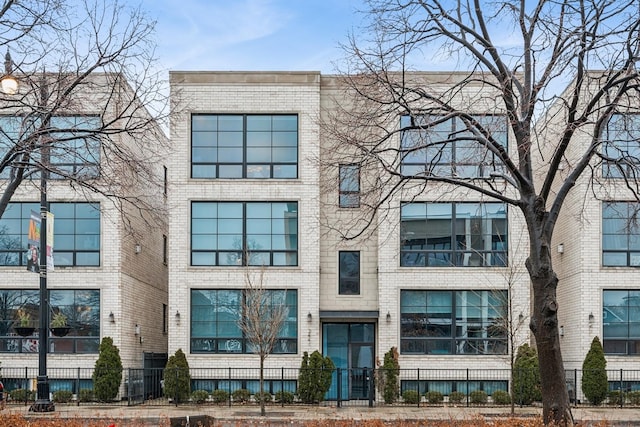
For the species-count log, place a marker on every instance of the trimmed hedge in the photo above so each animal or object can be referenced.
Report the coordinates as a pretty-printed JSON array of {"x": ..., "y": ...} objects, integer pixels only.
[
  {"x": 456, "y": 397},
  {"x": 411, "y": 396},
  {"x": 478, "y": 397}
]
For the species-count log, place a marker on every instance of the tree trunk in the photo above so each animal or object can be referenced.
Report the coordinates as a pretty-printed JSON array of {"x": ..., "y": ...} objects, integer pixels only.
[
  {"x": 544, "y": 325},
  {"x": 263, "y": 411}
]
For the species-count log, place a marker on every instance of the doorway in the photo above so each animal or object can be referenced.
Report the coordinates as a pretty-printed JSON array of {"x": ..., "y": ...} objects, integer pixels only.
[{"x": 351, "y": 347}]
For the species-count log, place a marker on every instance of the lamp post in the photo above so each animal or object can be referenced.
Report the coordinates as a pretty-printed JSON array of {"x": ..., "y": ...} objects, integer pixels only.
[{"x": 9, "y": 85}]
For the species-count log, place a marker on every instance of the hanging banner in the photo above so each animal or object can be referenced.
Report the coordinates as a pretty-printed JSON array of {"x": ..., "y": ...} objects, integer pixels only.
[
  {"x": 33, "y": 243},
  {"x": 50, "y": 266}
]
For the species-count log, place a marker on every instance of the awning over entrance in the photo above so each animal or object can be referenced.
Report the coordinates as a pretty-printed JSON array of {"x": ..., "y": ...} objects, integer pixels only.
[{"x": 349, "y": 314}]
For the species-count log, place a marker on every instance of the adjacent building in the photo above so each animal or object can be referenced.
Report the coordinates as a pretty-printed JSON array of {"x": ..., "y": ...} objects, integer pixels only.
[{"x": 109, "y": 276}]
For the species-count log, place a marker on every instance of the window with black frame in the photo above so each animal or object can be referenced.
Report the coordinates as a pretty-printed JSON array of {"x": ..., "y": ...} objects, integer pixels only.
[
  {"x": 620, "y": 234},
  {"x": 441, "y": 322},
  {"x": 244, "y": 233},
  {"x": 453, "y": 235},
  {"x": 73, "y": 141},
  {"x": 349, "y": 186},
  {"x": 349, "y": 273},
  {"x": 621, "y": 148},
  {"x": 80, "y": 307},
  {"x": 76, "y": 227},
  {"x": 261, "y": 146},
  {"x": 432, "y": 145},
  {"x": 214, "y": 321},
  {"x": 621, "y": 322}
]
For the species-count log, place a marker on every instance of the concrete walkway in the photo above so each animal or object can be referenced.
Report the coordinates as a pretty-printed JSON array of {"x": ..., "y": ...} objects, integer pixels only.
[{"x": 292, "y": 415}]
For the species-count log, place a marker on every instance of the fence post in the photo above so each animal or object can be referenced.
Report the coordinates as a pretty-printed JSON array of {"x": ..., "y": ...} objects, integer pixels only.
[
  {"x": 621, "y": 390},
  {"x": 339, "y": 379},
  {"x": 575, "y": 387},
  {"x": 229, "y": 378},
  {"x": 419, "y": 387},
  {"x": 129, "y": 384},
  {"x": 282, "y": 385},
  {"x": 78, "y": 387},
  {"x": 27, "y": 386},
  {"x": 467, "y": 387},
  {"x": 369, "y": 372}
]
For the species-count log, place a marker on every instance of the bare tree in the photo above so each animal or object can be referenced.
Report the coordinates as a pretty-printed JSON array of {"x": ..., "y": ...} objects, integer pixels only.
[
  {"x": 89, "y": 103},
  {"x": 512, "y": 58},
  {"x": 263, "y": 315}
]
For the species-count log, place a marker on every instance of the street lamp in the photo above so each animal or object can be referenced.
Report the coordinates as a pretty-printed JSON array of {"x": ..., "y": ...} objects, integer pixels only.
[{"x": 9, "y": 85}]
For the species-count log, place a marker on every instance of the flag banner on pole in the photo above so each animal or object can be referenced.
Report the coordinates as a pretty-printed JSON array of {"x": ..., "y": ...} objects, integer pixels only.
[
  {"x": 33, "y": 243},
  {"x": 50, "y": 266}
]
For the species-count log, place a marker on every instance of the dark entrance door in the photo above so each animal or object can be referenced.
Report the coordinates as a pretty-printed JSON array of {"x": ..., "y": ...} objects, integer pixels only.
[{"x": 351, "y": 348}]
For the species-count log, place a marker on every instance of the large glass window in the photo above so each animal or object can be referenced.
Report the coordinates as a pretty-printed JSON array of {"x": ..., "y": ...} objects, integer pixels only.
[
  {"x": 73, "y": 142},
  {"x": 453, "y": 322},
  {"x": 214, "y": 321},
  {"x": 621, "y": 322},
  {"x": 453, "y": 234},
  {"x": 621, "y": 150},
  {"x": 244, "y": 146},
  {"x": 620, "y": 234},
  {"x": 244, "y": 233},
  {"x": 349, "y": 280},
  {"x": 349, "y": 190},
  {"x": 76, "y": 231},
  {"x": 432, "y": 145},
  {"x": 80, "y": 307}
]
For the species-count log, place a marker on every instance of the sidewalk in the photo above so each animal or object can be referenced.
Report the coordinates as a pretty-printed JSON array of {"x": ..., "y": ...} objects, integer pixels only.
[{"x": 288, "y": 415}]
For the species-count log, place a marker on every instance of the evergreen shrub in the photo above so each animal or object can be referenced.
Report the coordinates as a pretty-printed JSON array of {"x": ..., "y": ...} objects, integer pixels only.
[{"x": 595, "y": 385}]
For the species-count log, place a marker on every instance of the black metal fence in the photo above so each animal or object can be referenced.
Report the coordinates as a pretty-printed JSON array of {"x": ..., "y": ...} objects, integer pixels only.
[{"x": 349, "y": 387}]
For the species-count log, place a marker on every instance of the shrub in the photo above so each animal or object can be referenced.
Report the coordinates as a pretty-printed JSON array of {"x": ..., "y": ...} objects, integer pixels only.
[
  {"x": 456, "y": 397},
  {"x": 62, "y": 396},
  {"x": 107, "y": 373},
  {"x": 434, "y": 397},
  {"x": 526, "y": 376},
  {"x": 594, "y": 374},
  {"x": 284, "y": 397},
  {"x": 85, "y": 395},
  {"x": 411, "y": 396},
  {"x": 266, "y": 397},
  {"x": 22, "y": 395},
  {"x": 501, "y": 397},
  {"x": 388, "y": 376},
  {"x": 220, "y": 396},
  {"x": 616, "y": 397},
  {"x": 634, "y": 397},
  {"x": 478, "y": 397},
  {"x": 241, "y": 395},
  {"x": 177, "y": 380},
  {"x": 314, "y": 378},
  {"x": 200, "y": 396}
]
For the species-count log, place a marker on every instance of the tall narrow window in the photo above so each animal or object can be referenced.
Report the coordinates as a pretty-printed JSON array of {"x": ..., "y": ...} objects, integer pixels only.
[
  {"x": 165, "y": 328},
  {"x": 165, "y": 249},
  {"x": 349, "y": 273},
  {"x": 349, "y": 186},
  {"x": 165, "y": 176}
]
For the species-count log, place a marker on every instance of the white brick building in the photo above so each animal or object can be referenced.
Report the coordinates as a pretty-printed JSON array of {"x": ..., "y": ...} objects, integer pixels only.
[
  {"x": 109, "y": 278},
  {"x": 351, "y": 300}
]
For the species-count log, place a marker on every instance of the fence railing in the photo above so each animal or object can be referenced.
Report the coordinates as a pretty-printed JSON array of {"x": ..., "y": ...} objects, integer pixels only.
[{"x": 348, "y": 386}]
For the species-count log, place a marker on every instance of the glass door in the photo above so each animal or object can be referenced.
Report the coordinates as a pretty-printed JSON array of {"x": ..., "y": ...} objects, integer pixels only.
[{"x": 351, "y": 348}]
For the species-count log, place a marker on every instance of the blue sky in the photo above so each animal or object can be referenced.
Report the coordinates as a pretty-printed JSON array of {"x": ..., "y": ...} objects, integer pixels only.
[{"x": 245, "y": 35}]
